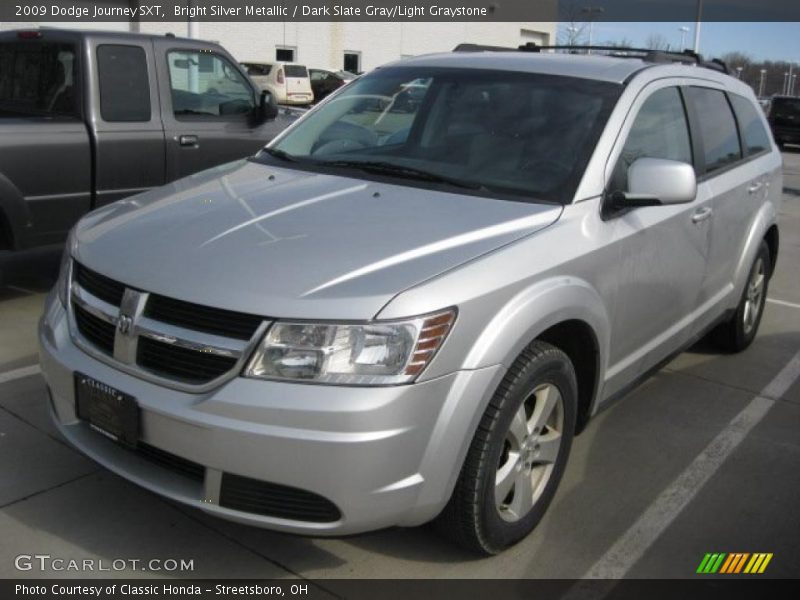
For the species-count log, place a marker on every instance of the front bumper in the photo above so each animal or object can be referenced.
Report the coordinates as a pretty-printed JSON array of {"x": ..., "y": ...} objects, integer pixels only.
[{"x": 383, "y": 456}]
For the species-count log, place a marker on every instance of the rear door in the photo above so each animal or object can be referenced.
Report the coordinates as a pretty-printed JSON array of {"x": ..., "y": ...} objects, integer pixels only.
[
  {"x": 207, "y": 108},
  {"x": 129, "y": 136},
  {"x": 733, "y": 177}
]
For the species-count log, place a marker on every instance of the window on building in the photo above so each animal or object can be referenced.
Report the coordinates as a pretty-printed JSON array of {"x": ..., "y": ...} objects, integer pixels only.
[
  {"x": 38, "y": 78},
  {"x": 352, "y": 62},
  {"x": 124, "y": 83},
  {"x": 284, "y": 54},
  {"x": 754, "y": 135},
  {"x": 659, "y": 131},
  {"x": 221, "y": 90},
  {"x": 717, "y": 127}
]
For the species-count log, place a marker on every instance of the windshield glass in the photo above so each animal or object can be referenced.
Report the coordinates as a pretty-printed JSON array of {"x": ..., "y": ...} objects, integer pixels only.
[{"x": 495, "y": 133}]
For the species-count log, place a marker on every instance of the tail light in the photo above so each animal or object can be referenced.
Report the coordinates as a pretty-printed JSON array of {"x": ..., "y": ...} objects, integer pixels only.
[
  {"x": 29, "y": 35},
  {"x": 280, "y": 76}
]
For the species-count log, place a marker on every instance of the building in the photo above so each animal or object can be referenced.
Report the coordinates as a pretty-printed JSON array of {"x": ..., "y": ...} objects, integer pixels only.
[{"x": 353, "y": 46}]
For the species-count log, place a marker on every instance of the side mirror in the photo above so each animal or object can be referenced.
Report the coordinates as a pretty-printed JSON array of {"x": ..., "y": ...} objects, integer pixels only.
[
  {"x": 656, "y": 182},
  {"x": 267, "y": 108}
]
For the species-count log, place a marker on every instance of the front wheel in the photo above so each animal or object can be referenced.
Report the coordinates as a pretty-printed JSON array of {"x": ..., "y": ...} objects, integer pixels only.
[
  {"x": 518, "y": 454},
  {"x": 740, "y": 330}
]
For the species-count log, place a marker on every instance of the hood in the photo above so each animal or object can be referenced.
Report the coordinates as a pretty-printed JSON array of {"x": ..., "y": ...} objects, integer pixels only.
[{"x": 292, "y": 244}]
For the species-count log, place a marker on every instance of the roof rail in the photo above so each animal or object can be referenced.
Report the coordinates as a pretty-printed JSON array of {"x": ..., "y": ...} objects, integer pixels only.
[{"x": 688, "y": 57}]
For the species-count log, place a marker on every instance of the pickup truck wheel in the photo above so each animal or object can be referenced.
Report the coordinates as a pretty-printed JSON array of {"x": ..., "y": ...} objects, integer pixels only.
[
  {"x": 740, "y": 330},
  {"x": 518, "y": 454}
]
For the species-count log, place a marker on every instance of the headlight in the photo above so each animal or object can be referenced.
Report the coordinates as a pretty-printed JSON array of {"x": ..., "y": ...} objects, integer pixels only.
[
  {"x": 376, "y": 353},
  {"x": 65, "y": 270}
]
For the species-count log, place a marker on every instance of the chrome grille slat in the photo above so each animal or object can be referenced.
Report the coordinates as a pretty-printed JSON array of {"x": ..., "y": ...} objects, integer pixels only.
[{"x": 184, "y": 353}]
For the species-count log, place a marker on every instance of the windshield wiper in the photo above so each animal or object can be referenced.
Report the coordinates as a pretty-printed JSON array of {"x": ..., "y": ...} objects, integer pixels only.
[
  {"x": 281, "y": 154},
  {"x": 387, "y": 168}
]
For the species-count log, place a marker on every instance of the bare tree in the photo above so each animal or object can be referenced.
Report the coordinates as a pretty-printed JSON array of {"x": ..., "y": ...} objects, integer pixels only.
[
  {"x": 656, "y": 41},
  {"x": 573, "y": 31}
]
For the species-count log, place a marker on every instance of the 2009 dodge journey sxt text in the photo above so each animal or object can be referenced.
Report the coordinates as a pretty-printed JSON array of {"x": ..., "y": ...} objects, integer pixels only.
[{"x": 405, "y": 307}]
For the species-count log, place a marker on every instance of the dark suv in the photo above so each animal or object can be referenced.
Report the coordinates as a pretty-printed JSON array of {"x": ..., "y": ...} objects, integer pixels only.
[{"x": 784, "y": 119}]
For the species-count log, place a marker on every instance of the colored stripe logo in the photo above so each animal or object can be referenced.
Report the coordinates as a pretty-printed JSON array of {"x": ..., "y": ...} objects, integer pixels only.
[{"x": 734, "y": 563}]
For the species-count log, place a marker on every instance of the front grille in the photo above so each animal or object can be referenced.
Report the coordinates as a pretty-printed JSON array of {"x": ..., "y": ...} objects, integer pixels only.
[
  {"x": 275, "y": 500},
  {"x": 202, "y": 318},
  {"x": 97, "y": 331},
  {"x": 206, "y": 343},
  {"x": 98, "y": 285},
  {"x": 176, "y": 464},
  {"x": 187, "y": 365}
]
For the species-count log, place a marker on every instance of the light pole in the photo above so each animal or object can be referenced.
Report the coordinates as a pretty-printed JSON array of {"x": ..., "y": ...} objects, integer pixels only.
[
  {"x": 738, "y": 72},
  {"x": 784, "y": 87},
  {"x": 697, "y": 23},
  {"x": 572, "y": 35},
  {"x": 761, "y": 83},
  {"x": 791, "y": 84},
  {"x": 684, "y": 30},
  {"x": 591, "y": 11}
]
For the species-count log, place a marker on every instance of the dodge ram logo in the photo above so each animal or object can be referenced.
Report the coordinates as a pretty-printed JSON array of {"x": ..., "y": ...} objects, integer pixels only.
[{"x": 124, "y": 324}]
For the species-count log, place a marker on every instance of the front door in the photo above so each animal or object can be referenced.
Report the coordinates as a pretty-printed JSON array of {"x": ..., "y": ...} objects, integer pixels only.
[
  {"x": 208, "y": 110},
  {"x": 662, "y": 249}
]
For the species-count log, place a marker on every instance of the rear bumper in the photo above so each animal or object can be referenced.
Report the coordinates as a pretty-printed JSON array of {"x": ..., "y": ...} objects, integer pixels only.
[{"x": 383, "y": 456}]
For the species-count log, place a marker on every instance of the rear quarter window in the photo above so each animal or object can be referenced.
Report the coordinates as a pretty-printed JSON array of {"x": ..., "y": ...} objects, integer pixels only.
[
  {"x": 754, "y": 135},
  {"x": 717, "y": 127},
  {"x": 124, "y": 83}
]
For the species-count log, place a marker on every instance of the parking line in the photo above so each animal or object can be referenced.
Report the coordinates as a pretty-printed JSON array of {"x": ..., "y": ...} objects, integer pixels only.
[
  {"x": 783, "y": 303},
  {"x": 19, "y": 373},
  {"x": 628, "y": 549}
]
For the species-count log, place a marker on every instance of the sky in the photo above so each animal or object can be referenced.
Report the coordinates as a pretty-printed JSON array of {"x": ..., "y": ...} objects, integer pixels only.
[{"x": 761, "y": 41}]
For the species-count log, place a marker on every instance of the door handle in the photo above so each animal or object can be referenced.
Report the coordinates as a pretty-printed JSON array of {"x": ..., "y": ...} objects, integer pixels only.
[
  {"x": 188, "y": 140},
  {"x": 701, "y": 214},
  {"x": 755, "y": 187}
]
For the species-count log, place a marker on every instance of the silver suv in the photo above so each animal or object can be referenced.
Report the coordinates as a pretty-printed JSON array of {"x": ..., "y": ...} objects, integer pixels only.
[{"x": 406, "y": 306}]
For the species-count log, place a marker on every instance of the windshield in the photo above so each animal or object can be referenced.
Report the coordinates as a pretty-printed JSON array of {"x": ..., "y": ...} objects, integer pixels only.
[{"x": 495, "y": 133}]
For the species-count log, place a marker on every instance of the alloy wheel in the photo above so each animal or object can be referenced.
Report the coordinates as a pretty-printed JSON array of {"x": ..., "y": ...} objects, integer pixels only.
[{"x": 529, "y": 453}]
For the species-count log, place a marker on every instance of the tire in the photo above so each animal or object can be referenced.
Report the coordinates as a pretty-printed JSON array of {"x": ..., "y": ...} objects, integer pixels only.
[
  {"x": 738, "y": 332},
  {"x": 513, "y": 466}
]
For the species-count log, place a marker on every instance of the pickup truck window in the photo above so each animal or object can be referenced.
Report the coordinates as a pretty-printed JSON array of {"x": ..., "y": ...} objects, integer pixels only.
[
  {"x": 38, "y": 78},
  {"x": 205, "y": 84},
  {"x": 124, "y": 83}
]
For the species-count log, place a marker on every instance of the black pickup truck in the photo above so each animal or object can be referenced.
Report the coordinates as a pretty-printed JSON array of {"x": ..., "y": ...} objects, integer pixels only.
[{"x": 87, "y": 118}]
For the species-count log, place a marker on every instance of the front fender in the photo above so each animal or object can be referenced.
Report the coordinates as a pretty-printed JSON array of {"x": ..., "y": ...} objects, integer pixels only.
[{"x": 534, "y": 310}]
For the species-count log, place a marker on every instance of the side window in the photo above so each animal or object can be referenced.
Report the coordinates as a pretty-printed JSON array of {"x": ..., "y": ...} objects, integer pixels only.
[
  {"x": 124, "y": 84},
  {"x": 717, "y": 127},
  {"x": 660, "y": 130},
  {"x": 754, "y": 135},
  {"x": 38, "y": 78},
  {"x": 205, "y": 84}
]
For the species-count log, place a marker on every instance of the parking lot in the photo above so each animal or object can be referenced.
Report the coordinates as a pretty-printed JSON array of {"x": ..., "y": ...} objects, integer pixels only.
[{"x": 703, "y": 457}]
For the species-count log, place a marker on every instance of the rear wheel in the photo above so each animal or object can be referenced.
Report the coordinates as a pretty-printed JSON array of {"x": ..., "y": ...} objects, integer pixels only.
[
  {"x": 518, "y": 454},
  {"x": 740, "y": 330}
]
